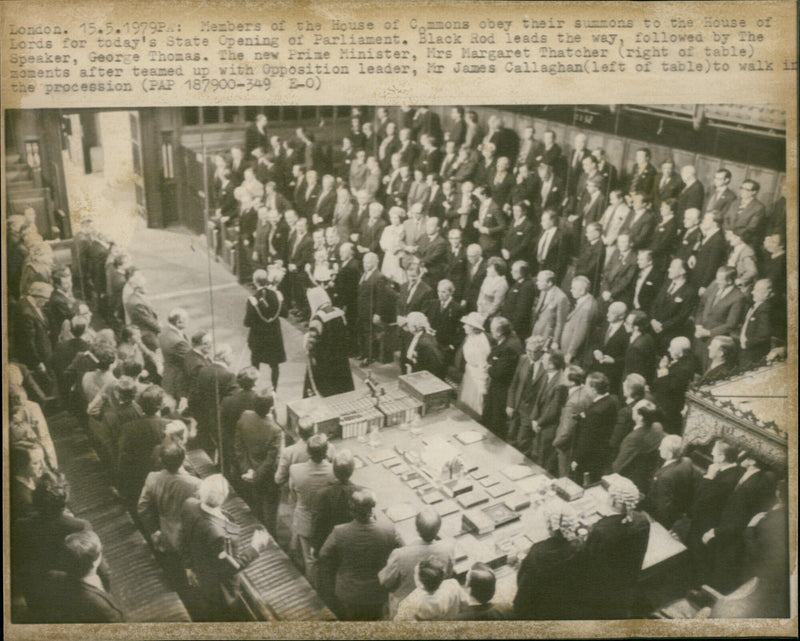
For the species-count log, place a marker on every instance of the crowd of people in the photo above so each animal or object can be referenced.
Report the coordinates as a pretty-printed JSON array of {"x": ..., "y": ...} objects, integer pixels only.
[{"x": 572, "y": 304}]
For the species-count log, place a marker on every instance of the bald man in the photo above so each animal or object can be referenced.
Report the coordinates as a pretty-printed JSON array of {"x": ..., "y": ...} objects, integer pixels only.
[
  {"x": 609, "y": 346},
  {"x": 398, "y": 574},
  {"x": 692, "y": 194},
  {"x": 672, "y": 380},
  {"x": 376, "y": 307}
]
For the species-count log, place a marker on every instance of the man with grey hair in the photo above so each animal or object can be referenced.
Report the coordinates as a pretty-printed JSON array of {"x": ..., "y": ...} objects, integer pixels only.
[
  {"x": 174, "y": 345},
  {"x": 474, "y": 277},
  {"x": 376, "y": 307},
  {"x": 580, "y": 321},
  {"x": 212, "y": 550},
  {"x": 675, "y": 372},
  {"x": 692, "y": 194},
  {"x": 213, "y": 384},
  {"x": 610, "y": 344},
  {"x": 550, "y": 309},
  {"x": 672, "y": 487}
]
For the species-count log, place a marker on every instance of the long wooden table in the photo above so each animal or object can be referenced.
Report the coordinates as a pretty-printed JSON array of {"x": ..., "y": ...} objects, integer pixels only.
[{"x": 491, "y": 456}]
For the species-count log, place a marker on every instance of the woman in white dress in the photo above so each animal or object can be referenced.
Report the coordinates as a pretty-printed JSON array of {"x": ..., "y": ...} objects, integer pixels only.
[
  {"x": 494, "y": 287},
  {"x": 475, "y": 352},
  {"x": 392, "y": 243}
]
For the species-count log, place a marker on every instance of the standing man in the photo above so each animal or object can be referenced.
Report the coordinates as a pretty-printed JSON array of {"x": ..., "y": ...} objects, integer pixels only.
[
  {"x": 306, "y": 481},
  {"x": 675, "y": 372},
  {"x": 502, "y": 364},
  {"x": 579, "y": 322},
  {"x": 518, "y": 303},
  {"x": 262, "y": 317},
  {"x": 345, "y": 293},
  {"x": 593, "y": 430},
  {"x": 174, "y": 347},
  {"x": 749, "y": 220},
  {"x": 578, "y": 399},
  {"x": 376, "y": 308},
  {"x": 523, "y": 392},
  {"x": 550, "y": 310},
  {"x": 673, "y": 305},
  {"x": 722, "y": 198}
]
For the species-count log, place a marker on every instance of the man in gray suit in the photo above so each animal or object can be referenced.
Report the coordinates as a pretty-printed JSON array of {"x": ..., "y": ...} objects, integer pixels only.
[
  {"x": 141, "y": 313},
  {"x": 550, "y": 310},
  {"x": 306, "y": 481},
  {"x": 174, "y": 347},
  {"x": 523, "y": 392},
  {"x": 578, "y": 399},
  {"x": 720, "y": 312},
  {"x": 578, "y": 326}
]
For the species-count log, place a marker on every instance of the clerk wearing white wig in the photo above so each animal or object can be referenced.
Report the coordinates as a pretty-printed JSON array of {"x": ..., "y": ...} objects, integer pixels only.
[
  {"x": 615, "y": 551},
  {"x": 423, "y": 353},
  {"x": 327, "y": 347}
]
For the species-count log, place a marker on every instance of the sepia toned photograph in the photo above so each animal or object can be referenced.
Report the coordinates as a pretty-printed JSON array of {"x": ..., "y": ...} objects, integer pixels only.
[{"x": 461, "y": 362}]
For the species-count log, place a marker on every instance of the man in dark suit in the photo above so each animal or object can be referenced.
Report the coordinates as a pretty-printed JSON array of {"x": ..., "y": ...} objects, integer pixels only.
[
  {"x": 751, "y": 495},
  {"x": 444, "y": 316},
  {"x": 634, "y": 389},
  {"x": 675, "y": 372},
  {"x": 456, "y": 266},
  {"x": 720, "y": 312},
  {"x": 427, "y": 123},
  {"x": 308, "y": 195},
  {"x": 65, "y": 352},
  {"x": 578, "y": 398},
  {"x": 551, "y": 249},
  {"x": 345, "y": 292},
  {"x": 415, "y": 293},
  {"x": 529, "y": 149},
  {"x": 593, "y": 431},
  {"x": 710, "y": 497},
  {"x": 502, "y": 365},
  {"x": 500, "y": 183},
  {"x": 665, "y": 236},
  {"x": 430, "y": 157},
  {"x": 333, "y": 507},
  {"x": 644, "y": 175},
  {"x": 136, "y": 443},
  {"x": 669, "y": 182},
  {"x": 748, "y": 220},
  {"x": 551, "y": 154},
  {"x": 641, "y": 221},
  {"x": 174, "y": 346},
  {"x": 61, "y": 305},
  {"x": 353, "y": 555},
  {"x": 32, "y": 336},
  {"x": 672, "y": 488},
  {"x": 475, "y": 274},
  {"x": 490, "y": 223},
  {"x": 648, "y": 280},
  {"x": 141, "y": 313},
  {"x": 299, "y": 253},
  {"x": 693, "y": 193},
  {"x": 446, "y": 166},
  {"x": 231, "y": 408},
  {"x": 456, "y": 129},
  {"x": 256, "y": 135},
  {"x": 641, "y": 354},
  {"x": 432, "y": 252},
  {"x": 80, "y": 595},
  {"x": 591, "y": 257},
  {"x": 323, "y": 206},
  {"x": 607, "y": 354},
  {"x": 546, "y": 412},
  {"x": 198, "y": 356},
  {"x": 673, "y": 306},
  {"x": 256, "y": 446},
  {"x": 214, "y": 383},
  {"x": 689, "y": 239},
  {"x": 710, "y": 254},
  {"x": 575, "y": 165},
  {"x": 505, "y": 140},
  {"x": 550, "y": 192},
  {"x": 760, "y": 328},
  {"x": 518, "y": 304},
  {"x": 212, "y": 550},
  {"x": 619, "y": 273},
  {"x": 376, "y": 306},
  {"x": 519, "y": 237},
  {"x": 371, "y": 230},
  {"x": 522, "y": 393},
  {"x": 722, "y": 198},
  {"x": 637, "y": 458}
]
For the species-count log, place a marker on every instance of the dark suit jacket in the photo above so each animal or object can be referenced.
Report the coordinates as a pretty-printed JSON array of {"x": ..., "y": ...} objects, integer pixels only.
[
  {"x": 557, "y": 255},
  {"x": 690, "y": 197},
  {"x": 333, "y": 509},
  {"x": 174, "y": 348},
  {"x": 549, "y": 580},
  {"x": 375, "y": 296},
  {"x": 136, "y": 443},
  {"x": 213, "y": 384},
  {"x": 33, "y": 335},
  {"x": 749, "y": 497},
  {"x": 670, "y": 189},
  {"x": 523, "y": 390},
  {"x": 192, "y": 362},
  {"x": 648, "y": 290},
  {"x": 345, "y": 288},
  {"x": 619, "y": 277},
  {"x": 638, "y": 456},
  {"x": 615, "y": 347},
  {"x": 593, "y": 433},
  {"x": 645, "y": 180},
  {"x": 456, "y": 270},
  {"x": 78, "y": 602},
  {"x": 671, "y": 491},
  {"x": 494, "y": 221},
  {"x": 673, "y": 310},
  {"x": 710, "y": 255},
  {"x": 429, "y": 357},
  {"x": 257, "y": 443},
  {"x": 664, "y": 241},
  {"x": 142, "y": 314},
  {"x": 419, "y": 300},
  {"x": 369, "y": 236},
  {"x": 710, "y": 497},
  {"x": 433, "y": 255},
  {"x": 324, "y": 206},
  {"x": 549, "y": 402},
  {"x": 552, "y": 200},
  {"x": 748, "y": 222},
  {"x": 688, "y": 242},
  {"x": 724, "y": 317},
  {"x": 233, "y": 406},
  {"x": 58, "y": 309},
  {"x": 254, "y": 138},
  {"x": 519, "y": 241},
  {"x": 758, "y": 331},
  {"x": 472, "y": 285},
  {"x": 302, "y": 254},
  {"x": 446, "y": 323},
  {"x": 640, "y": 357},
  {"x": 500, "y": 187},
  {"x": 641, "y": 230},
  {"x": 589, "y": 263},
  {"x": 518, "y": 306},
  {"x": 429, "y": 161},
  {"x": 721, "y": 204}
]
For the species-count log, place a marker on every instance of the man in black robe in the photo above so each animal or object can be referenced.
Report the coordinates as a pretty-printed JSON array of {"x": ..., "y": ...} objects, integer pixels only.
[{"x": 328, "y": 369}]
